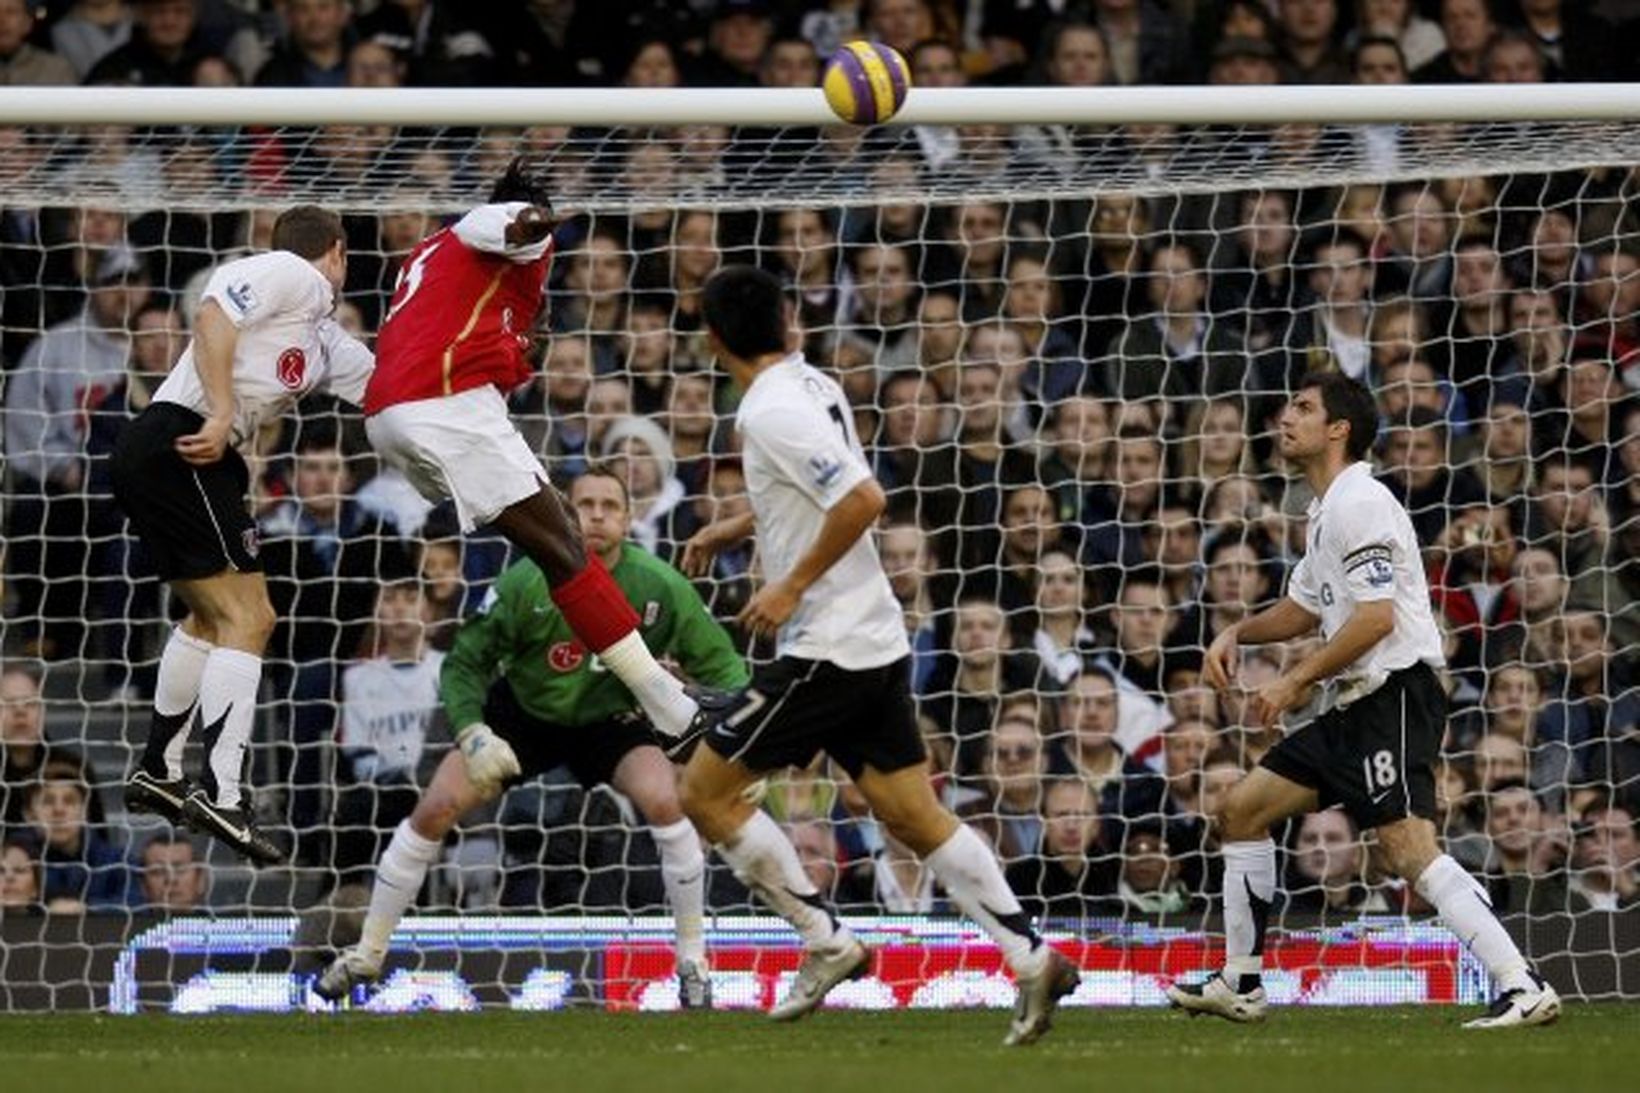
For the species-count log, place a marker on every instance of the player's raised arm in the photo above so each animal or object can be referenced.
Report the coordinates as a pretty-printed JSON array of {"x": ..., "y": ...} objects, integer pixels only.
[
  {"x": 215, "y": 338},
  {"x": 519, "y": 220},
  {"x": 845, "y": 522}
]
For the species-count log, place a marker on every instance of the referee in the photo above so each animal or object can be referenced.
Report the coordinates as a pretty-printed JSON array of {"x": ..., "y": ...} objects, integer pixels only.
[
  {"x": 263, "y": 338},
  {"x": 1373, "y": 751}
]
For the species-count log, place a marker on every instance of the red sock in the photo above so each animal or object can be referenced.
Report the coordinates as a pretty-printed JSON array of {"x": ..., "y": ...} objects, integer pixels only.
[{"x": 595, "y": 607}]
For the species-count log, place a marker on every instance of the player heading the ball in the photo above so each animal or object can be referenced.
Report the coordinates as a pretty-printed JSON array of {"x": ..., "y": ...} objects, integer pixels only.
[
  {"x": 263, "y": 338},
  {"x": 842, "y": 680},
  {"x": 453, "y": 344},
  {"x": 1373, "y": 750}
]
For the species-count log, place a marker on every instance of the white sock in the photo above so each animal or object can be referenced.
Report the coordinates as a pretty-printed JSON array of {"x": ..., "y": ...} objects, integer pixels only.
[
  {"x": 1467, "y": 911},
  {"x": 683, "y": 871},
  {"x": 227, "y": 708},
  {"x": 176, "y": 693},
  {"x": 971, "y": 876},
  {"x": 399, "y": 875},
  {"x": 658, "y": 691},
  {"x": 764, "y": 860},
  {"x": 1249, "y": 888}
]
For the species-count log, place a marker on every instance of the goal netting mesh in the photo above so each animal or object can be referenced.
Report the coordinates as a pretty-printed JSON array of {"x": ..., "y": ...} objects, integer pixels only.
[{"x": 1065, "y": 346}]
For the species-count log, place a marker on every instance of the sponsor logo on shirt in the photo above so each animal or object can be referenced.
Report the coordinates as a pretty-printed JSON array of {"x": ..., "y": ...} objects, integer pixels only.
[
  {"x": 566, "y": 656},
  {"x": 242, "y": 297},
  {"x": 292, "y": 367}
]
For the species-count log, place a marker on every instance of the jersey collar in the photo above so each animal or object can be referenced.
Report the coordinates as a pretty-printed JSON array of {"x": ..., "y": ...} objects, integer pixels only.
[{"x": 1359, "y": 467}]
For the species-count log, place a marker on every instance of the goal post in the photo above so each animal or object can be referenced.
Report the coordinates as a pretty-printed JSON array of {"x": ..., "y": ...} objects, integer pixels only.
[{"x": 1063, "y": 317}]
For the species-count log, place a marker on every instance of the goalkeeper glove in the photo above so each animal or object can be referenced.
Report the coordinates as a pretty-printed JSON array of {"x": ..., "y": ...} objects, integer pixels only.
[{"x": 490, "y": 760}]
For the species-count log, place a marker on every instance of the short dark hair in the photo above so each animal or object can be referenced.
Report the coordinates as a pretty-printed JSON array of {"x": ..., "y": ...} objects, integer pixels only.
[
  {"x": 1343, "y": 399},
  {"x": 602, "y": 470},
  {"x": 308, "y": 231},
  {"x": 746, "y": 308}
]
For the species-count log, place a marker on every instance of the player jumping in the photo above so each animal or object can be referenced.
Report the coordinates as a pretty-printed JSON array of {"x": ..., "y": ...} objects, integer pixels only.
[
  {"x": 841, "y": 683},
  {"x": 1374, "y": 749},
  {"x": 452, "y": 344},
  {"x": 517, "y": 667},
  {"x": 263, "y": 338}
]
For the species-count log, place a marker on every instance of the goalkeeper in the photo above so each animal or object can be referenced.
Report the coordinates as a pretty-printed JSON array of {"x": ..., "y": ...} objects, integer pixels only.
[{"x": 524, "y": 696}]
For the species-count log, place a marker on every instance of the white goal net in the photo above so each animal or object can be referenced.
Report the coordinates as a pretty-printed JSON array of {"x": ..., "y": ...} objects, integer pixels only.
[{"x": 1064, "y": 345}]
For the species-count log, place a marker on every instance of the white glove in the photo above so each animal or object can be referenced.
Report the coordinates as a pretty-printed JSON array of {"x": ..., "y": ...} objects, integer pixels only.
[{"x": 490, "y": 760}]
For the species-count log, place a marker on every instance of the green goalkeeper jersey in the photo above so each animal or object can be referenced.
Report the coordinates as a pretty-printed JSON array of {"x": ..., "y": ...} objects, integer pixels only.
[{"x": 519, "y": 633}]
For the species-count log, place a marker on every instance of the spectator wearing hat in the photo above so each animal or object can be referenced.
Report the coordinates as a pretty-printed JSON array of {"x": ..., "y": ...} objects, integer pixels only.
[
  {"x": 63, "y": 375},
  {"x": 21, "y": 62},
  {"x": 736, "y": 40},
  {"x": 639, "y": 451}
]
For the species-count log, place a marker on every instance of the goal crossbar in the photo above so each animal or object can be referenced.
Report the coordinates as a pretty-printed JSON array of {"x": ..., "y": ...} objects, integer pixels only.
[{"x": 1197, "y": 105}]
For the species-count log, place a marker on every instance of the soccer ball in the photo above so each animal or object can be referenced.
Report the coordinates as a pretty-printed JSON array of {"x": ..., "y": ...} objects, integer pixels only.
[{"x": 866, "y": 82}]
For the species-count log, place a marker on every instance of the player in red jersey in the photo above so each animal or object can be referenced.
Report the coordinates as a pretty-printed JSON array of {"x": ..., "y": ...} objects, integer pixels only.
[{"x": 453, "y": 343}]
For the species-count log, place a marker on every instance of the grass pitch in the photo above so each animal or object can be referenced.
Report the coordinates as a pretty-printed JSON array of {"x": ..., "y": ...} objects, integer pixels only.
[{"x": 1123, "y": 1051}]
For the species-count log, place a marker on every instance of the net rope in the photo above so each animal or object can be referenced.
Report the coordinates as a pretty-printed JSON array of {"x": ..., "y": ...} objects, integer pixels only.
[{"x": 1063, "y": 346}]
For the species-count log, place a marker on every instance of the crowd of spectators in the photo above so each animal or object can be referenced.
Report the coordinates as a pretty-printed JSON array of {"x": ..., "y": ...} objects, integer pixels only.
[{"x": 1067, "y": 401}]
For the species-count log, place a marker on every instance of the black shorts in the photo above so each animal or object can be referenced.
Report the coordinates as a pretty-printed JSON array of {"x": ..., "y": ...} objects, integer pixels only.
[
  {"x": 193, "y": 520},
  {"x": 1376, "y": 756},
  {"x": 795, "y": 708},
  {"x": 591, "y": 752}
]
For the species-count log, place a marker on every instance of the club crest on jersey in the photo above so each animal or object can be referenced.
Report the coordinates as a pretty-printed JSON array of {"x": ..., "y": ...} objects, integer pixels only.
[
  {"x": 566, "y": 656},
  {"x": 292, "y": 367}
]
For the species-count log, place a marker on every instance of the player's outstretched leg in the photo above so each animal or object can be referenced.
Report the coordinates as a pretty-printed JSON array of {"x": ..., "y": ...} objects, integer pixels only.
[
  {"x": 904, "y": 802},
  {"x": 649, "y": 779},
  {"x": 1524, "y": 998},
  {"x": 595, "y": 608},
  {"x": 414, "y": 849},
  {"x": 158, "y": 785},
  {"x": 1257, "y": 801},
  {"x": 764, "y": 860}
]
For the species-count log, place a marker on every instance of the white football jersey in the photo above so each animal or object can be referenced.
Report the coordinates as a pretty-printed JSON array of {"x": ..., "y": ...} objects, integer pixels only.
[
  {"x": 288, "y": 344},
  {"x": 1361, "y": 548},
  {"x": 387, "y": 709},
  {"x": 801, "y": 457}
]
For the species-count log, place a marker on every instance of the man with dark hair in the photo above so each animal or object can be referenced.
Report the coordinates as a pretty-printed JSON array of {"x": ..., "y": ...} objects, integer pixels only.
[
  {"x": 842, "y": 680},
  {"x": 263, "y": 338},
  {"x": 518, "y": 664},
  {"x": 1374, "y": 748},
  {"x": 453, "y": 344}
]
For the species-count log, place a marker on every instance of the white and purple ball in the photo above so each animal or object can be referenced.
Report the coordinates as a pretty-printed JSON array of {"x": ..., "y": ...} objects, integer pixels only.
[{"x": 866, "y": 82}]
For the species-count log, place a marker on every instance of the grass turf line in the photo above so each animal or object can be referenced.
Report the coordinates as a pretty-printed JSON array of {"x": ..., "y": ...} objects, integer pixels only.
[{"x": 1124, "y": 1051}]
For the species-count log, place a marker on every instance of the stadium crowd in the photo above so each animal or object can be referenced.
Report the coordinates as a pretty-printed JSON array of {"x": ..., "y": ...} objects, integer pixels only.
[{"x": 1068, "y": 403}]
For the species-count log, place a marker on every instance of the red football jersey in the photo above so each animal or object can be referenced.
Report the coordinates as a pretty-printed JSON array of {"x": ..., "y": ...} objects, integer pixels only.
[{"x": 461, "y": 312}]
